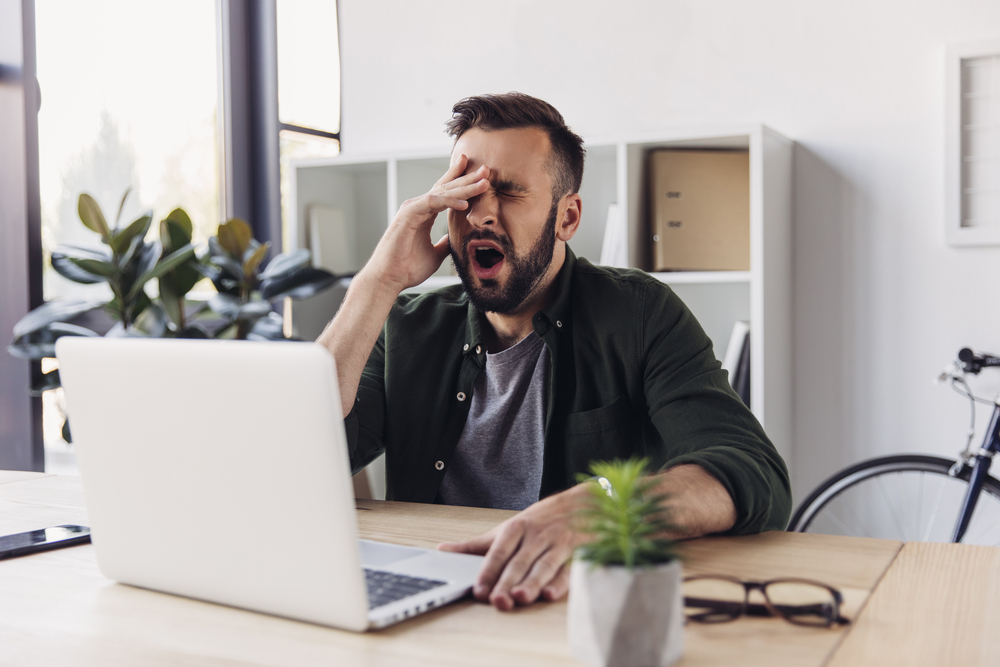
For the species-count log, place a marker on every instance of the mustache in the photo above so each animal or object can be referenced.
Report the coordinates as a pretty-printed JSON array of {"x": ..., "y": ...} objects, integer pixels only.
[{"x": 487, "y": 235}]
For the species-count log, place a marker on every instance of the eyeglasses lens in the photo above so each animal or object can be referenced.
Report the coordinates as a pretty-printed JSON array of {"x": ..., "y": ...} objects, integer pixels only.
[
  {"x": 709, "y": 600},
  {"x": 802, "y": 603}
]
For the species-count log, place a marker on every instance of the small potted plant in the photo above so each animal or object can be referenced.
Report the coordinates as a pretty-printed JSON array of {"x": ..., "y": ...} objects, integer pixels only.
[{"x": 625, "y": 600}]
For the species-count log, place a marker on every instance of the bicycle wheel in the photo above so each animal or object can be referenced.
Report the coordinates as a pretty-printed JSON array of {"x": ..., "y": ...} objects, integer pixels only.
[{"x": 908, "y": 497}]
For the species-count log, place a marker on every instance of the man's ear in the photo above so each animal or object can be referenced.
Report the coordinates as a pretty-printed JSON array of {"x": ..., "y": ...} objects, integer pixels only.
[{"x": 569, "y": 221}]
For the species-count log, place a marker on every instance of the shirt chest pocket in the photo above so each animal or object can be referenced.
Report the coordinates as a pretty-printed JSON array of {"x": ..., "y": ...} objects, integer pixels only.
[{"x": 602, "y": 434}]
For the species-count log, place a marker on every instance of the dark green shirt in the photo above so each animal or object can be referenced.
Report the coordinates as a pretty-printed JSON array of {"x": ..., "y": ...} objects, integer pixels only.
[{"x": 632, "y": 374}]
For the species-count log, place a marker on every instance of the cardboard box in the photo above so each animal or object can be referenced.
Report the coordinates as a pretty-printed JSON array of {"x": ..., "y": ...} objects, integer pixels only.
[{"x": 700, "y": 208}]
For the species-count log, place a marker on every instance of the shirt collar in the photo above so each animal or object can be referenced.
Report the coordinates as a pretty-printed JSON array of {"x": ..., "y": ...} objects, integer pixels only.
[{"x": 556, "y": 316}]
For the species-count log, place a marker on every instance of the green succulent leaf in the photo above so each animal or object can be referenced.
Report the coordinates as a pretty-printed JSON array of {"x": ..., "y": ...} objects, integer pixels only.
[
  {"x": 301, "y": 283},
  {"x": 92, "y": 217},
  {"x": 285, "y": 263},
  {"x": 120, "y": 241},
  {"x": 53, "y": 311},
  {"x": 168, "y": 263},
  {"x": 234, "y": 237},
  {"x": 630, "y": 526}
]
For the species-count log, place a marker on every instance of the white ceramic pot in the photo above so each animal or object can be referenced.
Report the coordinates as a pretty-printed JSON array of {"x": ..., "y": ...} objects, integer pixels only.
[{"x": 623, "y": 618}]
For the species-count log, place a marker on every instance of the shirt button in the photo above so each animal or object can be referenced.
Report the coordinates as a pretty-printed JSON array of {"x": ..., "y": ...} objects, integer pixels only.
[
  {"x": 461, "y": 397},
  {"x": 559, "y": 323},
  {"x": 466, "y": 348},
  {"x": 439, "y": 465},
  {"x": 479, "y": 349}
]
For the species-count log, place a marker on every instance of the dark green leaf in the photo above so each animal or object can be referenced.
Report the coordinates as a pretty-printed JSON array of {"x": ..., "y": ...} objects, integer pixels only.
[
  {"x": 120, "y": 241},
  {"x": 230, "y": 266},
  {"x": 214, "y": 249},
  {"x": 53, "y": 311},
  {"x": 268, "y": 328},
  {"x": 40, "y": 343},
  {"x": 298, "y": 284},
  {"x": 195, "y": 330},
  {"x": 96, "y": 267},
  {"x": 253, "y": 310},
  {"x": 225, "y": 305},
  {"x": 285, "y": 262},
  {"x": 179, "y": 217},
  {"x": 92, "y": 217},
  {"x": 65, "y": 431},
  {"x": 80, "y": 252},
  {"x": 150, "y": 254},
  {"x": 152, "y": 321},
  {"x": 48, "y": 381},
  {"x": 168, "y": 263},
  {"x": 69, "y": 270}
]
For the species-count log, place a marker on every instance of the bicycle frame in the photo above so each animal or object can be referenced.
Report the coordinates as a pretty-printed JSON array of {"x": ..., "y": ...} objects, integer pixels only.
[{"x": 980, "y": 469}]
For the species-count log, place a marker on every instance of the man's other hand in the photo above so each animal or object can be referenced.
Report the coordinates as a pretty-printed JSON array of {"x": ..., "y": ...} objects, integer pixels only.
[
  {"x": 527, "y": 556},
  {"x": 406, "y": 255}
]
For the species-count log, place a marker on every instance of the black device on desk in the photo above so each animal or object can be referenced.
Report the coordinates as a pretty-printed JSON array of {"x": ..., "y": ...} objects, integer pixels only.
[{"x": 33, "y": 541}]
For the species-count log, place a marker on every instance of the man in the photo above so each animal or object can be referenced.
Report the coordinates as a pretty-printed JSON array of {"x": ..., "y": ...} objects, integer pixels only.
[{"x": 500, "y": 392}]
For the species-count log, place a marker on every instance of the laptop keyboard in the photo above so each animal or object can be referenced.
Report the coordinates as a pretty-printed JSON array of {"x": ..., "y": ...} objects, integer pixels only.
[{"x": 386, "y": 587}]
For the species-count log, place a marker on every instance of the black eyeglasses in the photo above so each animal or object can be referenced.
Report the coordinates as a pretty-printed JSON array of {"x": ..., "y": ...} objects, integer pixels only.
[{"x": 718, "y": 598}]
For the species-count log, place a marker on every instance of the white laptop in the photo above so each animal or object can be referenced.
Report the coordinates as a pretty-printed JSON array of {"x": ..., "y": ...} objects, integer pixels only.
[{"x": 218, "y": 470}]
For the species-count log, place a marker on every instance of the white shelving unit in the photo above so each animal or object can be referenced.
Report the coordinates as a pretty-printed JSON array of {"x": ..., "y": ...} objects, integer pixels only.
[{"x": 369, "y": 189}]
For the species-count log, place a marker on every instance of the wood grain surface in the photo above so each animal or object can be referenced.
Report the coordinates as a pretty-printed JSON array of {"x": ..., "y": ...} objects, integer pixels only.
[
  {"x": 939, "y": 604},
  {"x": 57, "y": 609}
]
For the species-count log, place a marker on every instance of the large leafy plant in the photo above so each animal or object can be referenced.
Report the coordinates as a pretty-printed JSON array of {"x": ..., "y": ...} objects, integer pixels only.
[
  {"x": 247, "y": 285},
  {"x": 628, "y": 520}
]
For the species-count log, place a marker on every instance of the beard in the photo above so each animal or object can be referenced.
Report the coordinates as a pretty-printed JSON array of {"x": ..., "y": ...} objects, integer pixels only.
[{"x": 492, "y": 296}]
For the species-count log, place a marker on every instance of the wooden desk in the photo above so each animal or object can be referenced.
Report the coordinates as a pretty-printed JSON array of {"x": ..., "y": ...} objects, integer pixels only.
[{"x": 57, "y": 609}]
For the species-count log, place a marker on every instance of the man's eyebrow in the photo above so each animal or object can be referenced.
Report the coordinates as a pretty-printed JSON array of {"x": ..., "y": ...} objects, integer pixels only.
[{"x": 507, "y": 185}]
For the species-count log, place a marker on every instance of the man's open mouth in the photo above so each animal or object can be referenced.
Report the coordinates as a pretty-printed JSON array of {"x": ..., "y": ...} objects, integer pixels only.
[{"x": 487, "y": 259}]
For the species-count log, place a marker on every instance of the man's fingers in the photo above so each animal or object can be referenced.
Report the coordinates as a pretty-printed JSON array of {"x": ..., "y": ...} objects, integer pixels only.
[
  {"x": 543, "y": 571},
  {"x": 507, "y": 541},
  {"x": 455, "y": 169},
  {"x": 477, "y": 546},
  {"x": 442, "y": 249},
  {"x": 559, "y": 586},
  {"x": 515, "y": 571}
]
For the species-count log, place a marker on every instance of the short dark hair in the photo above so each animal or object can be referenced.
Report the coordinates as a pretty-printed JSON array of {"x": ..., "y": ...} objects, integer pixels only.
[{"x": 515, "y": 110}]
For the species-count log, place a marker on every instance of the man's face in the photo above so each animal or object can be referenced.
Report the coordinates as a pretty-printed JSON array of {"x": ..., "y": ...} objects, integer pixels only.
[{"x": 502, "y": 245}]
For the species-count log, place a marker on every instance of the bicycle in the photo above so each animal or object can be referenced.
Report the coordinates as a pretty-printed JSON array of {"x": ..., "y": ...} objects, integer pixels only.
[{"x": 885, "y": 496}]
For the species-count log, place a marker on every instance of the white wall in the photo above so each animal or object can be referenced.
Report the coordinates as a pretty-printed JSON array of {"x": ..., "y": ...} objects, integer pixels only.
[{"x": 881, "y": 302}]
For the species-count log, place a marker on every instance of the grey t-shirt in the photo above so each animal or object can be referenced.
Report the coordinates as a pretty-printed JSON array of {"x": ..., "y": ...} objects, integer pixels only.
[{"x": 498, "y": 460}]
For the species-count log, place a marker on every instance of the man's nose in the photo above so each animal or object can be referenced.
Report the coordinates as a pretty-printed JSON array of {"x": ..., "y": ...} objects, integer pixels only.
[{"x": 483, "y": 209}]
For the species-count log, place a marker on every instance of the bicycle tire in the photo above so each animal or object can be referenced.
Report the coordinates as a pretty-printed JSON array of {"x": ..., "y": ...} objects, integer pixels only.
[{"x": 850, "y": 479}]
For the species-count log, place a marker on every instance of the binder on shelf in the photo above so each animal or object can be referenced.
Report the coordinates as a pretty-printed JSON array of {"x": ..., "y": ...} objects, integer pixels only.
[
  {"x": 332, "y": 241},
  {"x": 613, "y": 251},
  {"x": 700, "y": 207}
]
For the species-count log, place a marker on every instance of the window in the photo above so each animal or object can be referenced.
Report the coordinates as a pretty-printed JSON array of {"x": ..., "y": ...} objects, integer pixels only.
[
  {"x": 129, "y": 99},
  {"x": 308, "y": 86}
]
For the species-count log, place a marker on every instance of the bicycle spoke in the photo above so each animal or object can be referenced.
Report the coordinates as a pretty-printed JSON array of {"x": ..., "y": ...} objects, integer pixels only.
[
  {"x": 906, "y": 508},
  {"x": 885, "y": 495},
  {"x": 920, "y": 498},
  {"x": 847, "y": 531},
  {"x": 937, "y": 505}
]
